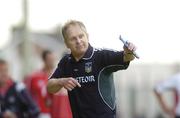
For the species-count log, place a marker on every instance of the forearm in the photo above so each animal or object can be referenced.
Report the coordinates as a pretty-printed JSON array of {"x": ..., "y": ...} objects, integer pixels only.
[
  {"x": 54, "y": 85},
  {"x": 161, "y": 102}
]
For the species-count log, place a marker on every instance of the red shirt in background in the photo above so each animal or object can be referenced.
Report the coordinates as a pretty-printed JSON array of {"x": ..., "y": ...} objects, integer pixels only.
[
  {"x": 36, "y": 84},
  {"x": 59, "y": 106}
]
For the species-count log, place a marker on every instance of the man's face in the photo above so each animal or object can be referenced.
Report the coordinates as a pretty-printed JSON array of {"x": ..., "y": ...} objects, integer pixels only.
[
  {"x": 3, "y": 73},
  {"x": 76, "y": 40}
]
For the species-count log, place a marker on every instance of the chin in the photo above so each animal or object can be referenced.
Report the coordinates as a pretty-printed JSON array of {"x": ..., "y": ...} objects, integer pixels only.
[{"x": 81, "y": 51}]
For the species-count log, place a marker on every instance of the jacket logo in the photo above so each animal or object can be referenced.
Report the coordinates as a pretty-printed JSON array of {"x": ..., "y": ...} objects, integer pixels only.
[{"x": 88, "y": 67}]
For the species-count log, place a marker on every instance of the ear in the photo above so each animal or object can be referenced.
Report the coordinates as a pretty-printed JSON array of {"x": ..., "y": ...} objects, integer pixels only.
[{"x": 66, "y": 43}]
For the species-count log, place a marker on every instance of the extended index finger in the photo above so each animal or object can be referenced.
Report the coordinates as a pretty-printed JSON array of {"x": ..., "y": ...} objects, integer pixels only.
[{"x": 76, "y": 82}]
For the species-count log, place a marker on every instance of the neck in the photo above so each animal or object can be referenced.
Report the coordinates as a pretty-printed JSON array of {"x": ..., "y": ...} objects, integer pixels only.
[{"x": 77, "y": 57}]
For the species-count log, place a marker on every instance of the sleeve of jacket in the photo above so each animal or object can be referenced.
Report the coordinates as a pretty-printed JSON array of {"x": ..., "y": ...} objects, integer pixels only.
[
  {"x": 24, "y": 96},
  {"x": 112, "y": 57},
  {"x": 60, "y": 69}
]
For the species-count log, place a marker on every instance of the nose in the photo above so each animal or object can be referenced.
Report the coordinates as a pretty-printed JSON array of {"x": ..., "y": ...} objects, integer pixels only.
[{"x": 78, "y": 40}]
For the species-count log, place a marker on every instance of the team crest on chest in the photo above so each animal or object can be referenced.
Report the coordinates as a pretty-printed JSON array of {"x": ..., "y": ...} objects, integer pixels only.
[{"x": 88, "y": 67}]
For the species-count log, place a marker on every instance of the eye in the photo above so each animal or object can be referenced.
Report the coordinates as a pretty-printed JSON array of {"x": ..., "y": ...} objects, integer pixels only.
[
  {"x": 81, "y": 36},
  {"x": 73, "y": 39}
]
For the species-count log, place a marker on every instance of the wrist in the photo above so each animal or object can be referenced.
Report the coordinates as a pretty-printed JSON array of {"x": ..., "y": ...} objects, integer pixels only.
[
  {"x": 60, "y": 82},
  {"x": 128, "y": 53},
  {"x": 128, "y": 56}
]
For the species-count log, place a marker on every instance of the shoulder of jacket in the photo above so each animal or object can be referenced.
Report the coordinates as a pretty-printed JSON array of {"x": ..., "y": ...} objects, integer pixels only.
[{"x": 20, "y": 86}]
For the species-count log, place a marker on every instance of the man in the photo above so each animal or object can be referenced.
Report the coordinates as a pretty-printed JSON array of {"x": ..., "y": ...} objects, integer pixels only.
[
  {"x": 87, "y": 74},
  {"x": 172, "y": 84},
  {"x": 15, "y": 102}
]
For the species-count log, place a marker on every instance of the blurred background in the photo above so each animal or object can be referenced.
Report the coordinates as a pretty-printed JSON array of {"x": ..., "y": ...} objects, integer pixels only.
[{"x": 27, "y": 27}]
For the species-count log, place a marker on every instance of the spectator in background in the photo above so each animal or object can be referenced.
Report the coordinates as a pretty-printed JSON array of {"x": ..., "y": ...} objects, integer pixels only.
[
  {"x": 15, "y": 101},
  {"x": 50, "y": 105},
  {"x": 171, "y": 84},
  {"x": 36, "y": 84}
]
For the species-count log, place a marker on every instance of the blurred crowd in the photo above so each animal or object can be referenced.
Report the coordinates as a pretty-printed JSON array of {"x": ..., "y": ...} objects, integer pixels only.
[{"x": 29, "y": 98}]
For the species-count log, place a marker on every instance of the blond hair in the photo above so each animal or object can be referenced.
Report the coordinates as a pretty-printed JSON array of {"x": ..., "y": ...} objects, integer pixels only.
[{"x": 72, "y": 22}]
